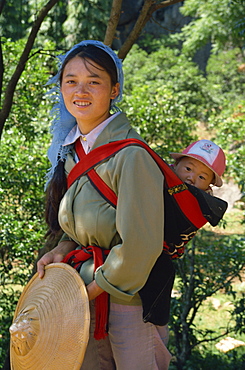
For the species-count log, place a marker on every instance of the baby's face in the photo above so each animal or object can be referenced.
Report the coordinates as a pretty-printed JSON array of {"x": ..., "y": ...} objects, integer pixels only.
[{"x": 194, "y": 172}]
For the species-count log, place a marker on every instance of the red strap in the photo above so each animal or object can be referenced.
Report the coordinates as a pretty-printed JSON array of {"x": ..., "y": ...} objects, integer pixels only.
[
  {"x": 101, "y": 301},
  {"x": 94, "y": 178},
  {"x": 102, "y": 188},
  {"x": 106, "y": 151},
  {"x": 79, "y": 149},
  {"x": 187, "y": 203}
]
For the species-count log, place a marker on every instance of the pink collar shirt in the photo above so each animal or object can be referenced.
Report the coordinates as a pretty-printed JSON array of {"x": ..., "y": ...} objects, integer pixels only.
[{"x": 87, "y": 140}]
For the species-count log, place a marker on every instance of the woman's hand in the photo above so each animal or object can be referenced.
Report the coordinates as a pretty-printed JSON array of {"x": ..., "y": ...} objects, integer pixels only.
[
  {"x": 93, "y": 290},
  {"x": 55, "y": 255}
]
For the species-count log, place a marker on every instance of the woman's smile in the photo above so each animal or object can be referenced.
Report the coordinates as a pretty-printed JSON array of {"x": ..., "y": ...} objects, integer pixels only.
[{"x": 82, "y": 103}]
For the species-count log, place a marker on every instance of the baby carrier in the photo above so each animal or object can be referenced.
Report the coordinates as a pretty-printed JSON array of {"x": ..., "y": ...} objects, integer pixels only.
[{"x": 187, "y": 209}]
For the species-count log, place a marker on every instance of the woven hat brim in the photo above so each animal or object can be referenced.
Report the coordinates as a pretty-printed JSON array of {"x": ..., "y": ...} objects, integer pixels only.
[{"x": 55, "y": 311}]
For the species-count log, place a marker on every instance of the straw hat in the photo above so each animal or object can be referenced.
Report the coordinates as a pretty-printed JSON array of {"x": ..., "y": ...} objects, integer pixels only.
[{"x": 50, "y": 328}]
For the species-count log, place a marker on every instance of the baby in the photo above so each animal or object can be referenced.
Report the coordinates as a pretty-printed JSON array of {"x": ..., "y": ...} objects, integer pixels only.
[{"x": 202, "y": 163}]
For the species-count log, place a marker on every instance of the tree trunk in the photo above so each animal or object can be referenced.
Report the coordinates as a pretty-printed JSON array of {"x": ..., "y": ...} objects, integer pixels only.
[{"x": 113, "y": 22}]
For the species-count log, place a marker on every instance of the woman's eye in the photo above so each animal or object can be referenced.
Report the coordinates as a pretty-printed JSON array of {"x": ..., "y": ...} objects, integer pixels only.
[
  {"x": 70, "y": 81},
  {"x": 94, "y": 83}
]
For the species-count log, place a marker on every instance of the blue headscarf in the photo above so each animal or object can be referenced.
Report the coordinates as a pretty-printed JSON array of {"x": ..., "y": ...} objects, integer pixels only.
[{"x": 63, "y": 121}]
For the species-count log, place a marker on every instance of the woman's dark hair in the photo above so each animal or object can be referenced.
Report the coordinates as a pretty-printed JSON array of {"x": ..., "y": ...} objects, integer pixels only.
[
  {"x": 97, "y": 55},
  {"x": 57, "y": 186},
  {"x": 55, "y": 191}
]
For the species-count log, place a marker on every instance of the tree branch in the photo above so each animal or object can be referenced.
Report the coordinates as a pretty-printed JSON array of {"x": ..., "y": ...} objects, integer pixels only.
[
  {"x": 164, "y": 4},
  {"x": 214, "y": 339},
  {"x": 113, "y": 22},
  {"x": 139, "y": 25},
  {"x": 1, "y": 70},
  {"x": 8, "y": 100},
  {"x": 2, "y": 3},
  {"x": 149, "y": 7}
]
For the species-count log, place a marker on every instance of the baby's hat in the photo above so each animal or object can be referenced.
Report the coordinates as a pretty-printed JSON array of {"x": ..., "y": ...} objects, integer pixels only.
[{"x": 209, "y": 154}]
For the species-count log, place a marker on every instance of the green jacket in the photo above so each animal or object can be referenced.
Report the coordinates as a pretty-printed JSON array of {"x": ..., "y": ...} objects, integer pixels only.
[{"x": 134, "y": 231}]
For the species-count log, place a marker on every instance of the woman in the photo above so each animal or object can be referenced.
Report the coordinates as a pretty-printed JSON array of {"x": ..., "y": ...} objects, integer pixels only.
[{"x": 91, "y": 82}]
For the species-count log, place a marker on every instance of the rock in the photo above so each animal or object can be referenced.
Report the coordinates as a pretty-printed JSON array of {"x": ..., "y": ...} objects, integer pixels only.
[
  {"x": 228, "y": 344},
  {"x": 165, "y": 21},
  {"x": 229, "y": 192}
]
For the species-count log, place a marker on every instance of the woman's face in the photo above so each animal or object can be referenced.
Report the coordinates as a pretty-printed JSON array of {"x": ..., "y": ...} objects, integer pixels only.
[{"x": 87, "y": 91}]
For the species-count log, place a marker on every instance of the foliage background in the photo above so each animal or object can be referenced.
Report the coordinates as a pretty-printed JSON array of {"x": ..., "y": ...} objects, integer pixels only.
[{"x": 166, "y": 97}]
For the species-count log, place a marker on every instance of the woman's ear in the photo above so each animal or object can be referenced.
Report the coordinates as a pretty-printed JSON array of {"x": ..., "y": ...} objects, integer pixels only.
[{"x": 115, "y": 90}]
